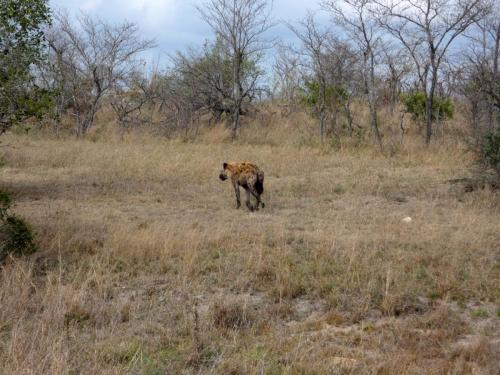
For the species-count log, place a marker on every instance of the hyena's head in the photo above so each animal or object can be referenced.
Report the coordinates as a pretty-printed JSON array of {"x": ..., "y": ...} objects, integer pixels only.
[{"x": 223, "y": 172}]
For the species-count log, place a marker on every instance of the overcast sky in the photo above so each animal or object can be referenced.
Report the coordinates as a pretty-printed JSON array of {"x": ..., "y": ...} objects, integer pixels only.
[{"x": 175, "y": 24}]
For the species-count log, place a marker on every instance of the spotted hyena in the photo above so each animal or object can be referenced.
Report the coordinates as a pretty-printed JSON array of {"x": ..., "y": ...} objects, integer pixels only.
[{"x": 249, "y": 177}]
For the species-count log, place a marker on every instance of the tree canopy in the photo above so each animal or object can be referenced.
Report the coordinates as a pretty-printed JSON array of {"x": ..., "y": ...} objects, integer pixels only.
[{"x": 22, "y": 25}]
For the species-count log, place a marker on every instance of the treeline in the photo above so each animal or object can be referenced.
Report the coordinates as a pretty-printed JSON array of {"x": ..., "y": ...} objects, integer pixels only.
[{"x": 425, "y": 56}]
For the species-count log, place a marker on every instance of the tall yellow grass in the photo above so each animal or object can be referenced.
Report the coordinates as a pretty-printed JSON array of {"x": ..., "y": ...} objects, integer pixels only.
[{"x": 145, "y": 266}]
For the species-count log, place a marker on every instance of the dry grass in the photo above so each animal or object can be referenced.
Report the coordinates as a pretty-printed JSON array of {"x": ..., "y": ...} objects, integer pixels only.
[{"x": 146, "y": 267}]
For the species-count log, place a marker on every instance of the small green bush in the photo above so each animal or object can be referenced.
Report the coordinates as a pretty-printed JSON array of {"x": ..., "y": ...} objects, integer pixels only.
[
  {"x": 490, "y": 151},
  {"x": 415, "y": 103},
  {"x": 16, "y": 236},
  {"x": 334, "y": 95},
  {"x": 5, "y": 203}
]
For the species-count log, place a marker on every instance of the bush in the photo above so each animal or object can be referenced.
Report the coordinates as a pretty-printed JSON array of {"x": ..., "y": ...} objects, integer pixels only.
[
  {"x": 415, "y": 103},
  {"x": 490, "y": 151},
  {"x": 16, "y": 236},
  {"x": 5, "y": 203},
  {"x": 335, "y": 96}
]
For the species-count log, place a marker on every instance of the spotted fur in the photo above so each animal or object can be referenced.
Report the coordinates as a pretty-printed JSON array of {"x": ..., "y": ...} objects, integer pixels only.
[{"x": 249, "y": 177}]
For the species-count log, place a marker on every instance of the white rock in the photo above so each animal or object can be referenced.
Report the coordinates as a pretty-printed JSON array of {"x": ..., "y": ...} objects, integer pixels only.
[{"x": 407, "y": 219}]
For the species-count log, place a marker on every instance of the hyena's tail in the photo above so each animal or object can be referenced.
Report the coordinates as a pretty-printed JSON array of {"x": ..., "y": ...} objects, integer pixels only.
[{"x": 259, "y": 185}]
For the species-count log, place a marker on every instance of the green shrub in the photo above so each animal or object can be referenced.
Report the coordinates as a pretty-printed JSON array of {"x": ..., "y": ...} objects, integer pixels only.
[
  {"x": 490, "y": 151},
  {"x": 16, "y": 236},
  {"x": 5, "y": 203},
  {"x": 22, "y": 39},
  {"x": 415, "y": 103},
  {"x": 335, "y": 96}
]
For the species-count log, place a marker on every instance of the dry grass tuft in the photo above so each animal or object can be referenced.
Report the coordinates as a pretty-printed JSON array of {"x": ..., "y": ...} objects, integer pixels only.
[{"x": 231, "y": 315}]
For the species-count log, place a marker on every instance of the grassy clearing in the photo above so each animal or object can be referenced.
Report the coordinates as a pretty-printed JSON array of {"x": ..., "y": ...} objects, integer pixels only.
[{"x": 146, "y": 267}]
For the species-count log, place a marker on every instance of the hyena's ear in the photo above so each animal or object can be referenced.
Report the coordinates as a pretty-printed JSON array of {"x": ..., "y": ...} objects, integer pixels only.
[{"x": 224, "y": 165}]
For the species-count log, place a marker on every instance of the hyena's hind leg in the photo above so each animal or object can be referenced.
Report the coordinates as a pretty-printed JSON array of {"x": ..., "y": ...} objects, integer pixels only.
[
  {"x": 256, "y": 194},
  {"x": 248, "y": 201}
]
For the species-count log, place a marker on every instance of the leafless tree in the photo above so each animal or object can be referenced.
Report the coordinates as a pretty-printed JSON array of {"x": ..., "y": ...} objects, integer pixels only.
[
  {"x": 52, "y": 76},
  {"x": 288, "y": 74},
  {"x": 427, "y": 28},
  {"x": 178, "y": 104},
  {"x": 315, "y": 48},
  {"x": 397, "y": 67},
  {"x": 241, "y": 24},
  {"x": 355, "y": 17},
  {"x": 475, "y": 77},
  {"x": 344, "y": 79},
  {"x": 128, "y": 99},
  {"x": 209, "y": 73},
  {"x": 90, "y": 59},
  {"x": 483, "y": 58}
]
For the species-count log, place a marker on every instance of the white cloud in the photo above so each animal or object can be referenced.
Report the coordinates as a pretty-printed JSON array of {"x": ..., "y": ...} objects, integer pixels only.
[
  {"x": 176, "y": 24},
  {"x": 90, "y": 5},
  {"x": 147, "y": 13},
  {"x": 150, "y": 13}
]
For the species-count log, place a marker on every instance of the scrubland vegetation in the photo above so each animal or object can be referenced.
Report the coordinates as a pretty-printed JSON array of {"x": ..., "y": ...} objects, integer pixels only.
[
  {"x": 145, "y": 266},
  {"x": 378, "y": 251}
]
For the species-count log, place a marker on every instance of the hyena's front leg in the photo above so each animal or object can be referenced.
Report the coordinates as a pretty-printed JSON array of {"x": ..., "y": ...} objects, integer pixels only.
[{"x": 237, "y": 193}]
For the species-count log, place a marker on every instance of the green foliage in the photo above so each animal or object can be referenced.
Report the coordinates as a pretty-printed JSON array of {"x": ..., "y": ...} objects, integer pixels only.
[
  {"x": 217, "y": 63},
  {"x": 480, "y": 313},
  {"x": 5, "y": 203},
  {"x": 216, "y": 56},
  {"x": 205, "y": 78},
  {"x": 22, "y": 26},
  {"x": 415, "y": 104},
  {"x": 490, "y": 150},
  {"x": 22, "y": 22},
  {"x": 33, "y": 102},
  {"x": 36, "y": 103},
  {"x": 16, "y": 236},
  {"x": 334, "y": 95}
]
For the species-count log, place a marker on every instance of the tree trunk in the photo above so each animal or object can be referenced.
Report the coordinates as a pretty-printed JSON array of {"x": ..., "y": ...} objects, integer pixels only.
[
  {"x": 374, "y": 124},
  {"x": 402, "y": 127},
  {"x": 394, "y": 95},
  {"x": 88, "y": 119},
  {"x": 428, "y": 107},
  {"x": 322, "y": 123},
  {"x": 348, "y": 113},
  {"x": 428, "y": 117},
  {"x": 236, "y": 93},
  {"x": 494, "y": 121},
  {"x": 236, "y": 122},
  {"x": 334, "y": 115},
  {"x": 370, "y": 89},
  {"x": 322, "y": 110}
]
